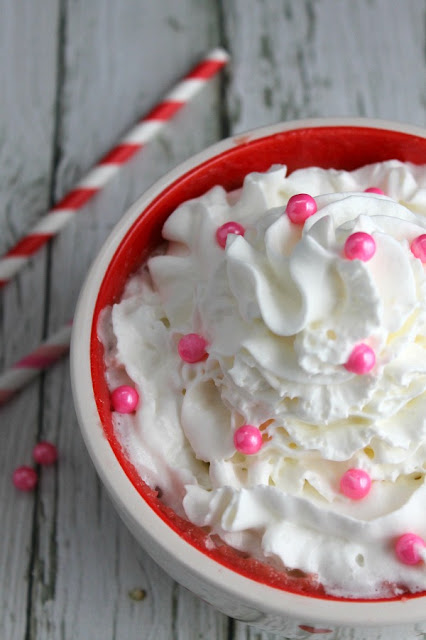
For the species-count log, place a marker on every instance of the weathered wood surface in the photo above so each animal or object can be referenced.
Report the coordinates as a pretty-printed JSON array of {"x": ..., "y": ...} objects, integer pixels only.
[{"x": 74, "y": 76}]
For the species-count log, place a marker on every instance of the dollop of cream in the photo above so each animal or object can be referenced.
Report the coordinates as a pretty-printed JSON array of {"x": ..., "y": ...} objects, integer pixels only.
[{"x": 282, "y": 308}]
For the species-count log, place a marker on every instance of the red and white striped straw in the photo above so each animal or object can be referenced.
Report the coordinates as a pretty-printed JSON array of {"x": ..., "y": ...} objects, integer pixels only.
[
  {"x": 54, "y": 348},
  {"x": 148, "y": 128},
  {"x": 22, "y": 372}
]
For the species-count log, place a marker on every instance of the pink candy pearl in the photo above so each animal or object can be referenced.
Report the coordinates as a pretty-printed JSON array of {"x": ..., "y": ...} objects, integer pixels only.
[
  {"x": 124, "y": 399},
  {"x": 360, "y": 246},
  {"x": 192, "y": 347},
  {"x": 374, "y": 190},
  {"x": 300, "y": 207},
  {"x": 45, "y": 453},
  {"x": 361, "y": 360},
  {"x": 418, "y": 247},
  {"x": 355, "y": 484},
  {"x": 25, "y": 478},
  {"x": 407, "y": 548},
  {"x": 227, "y": 228},
  {"x": 248, "y": 439}
]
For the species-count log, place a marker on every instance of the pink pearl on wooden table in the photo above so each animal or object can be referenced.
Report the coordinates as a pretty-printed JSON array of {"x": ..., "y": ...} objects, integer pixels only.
[
  {"x": 359, "y": 246},
  {"x": 227, "y": 228},
  {"x": 300, "y": 207},
  {"x": 374, "y": 190},
  {"x": 25, "y": 478},
  {"x": 361, "y": 360},
  {"x": 192, "y": 347},
  {"x": 407, "y": 548},
  {"x": 418, "y": 247},
  {"x": 45, "y": 453},
  {"x": 124, "y": 399},
  {"x": 248, "y": 439},
  {"x": 355, "y": 484}
]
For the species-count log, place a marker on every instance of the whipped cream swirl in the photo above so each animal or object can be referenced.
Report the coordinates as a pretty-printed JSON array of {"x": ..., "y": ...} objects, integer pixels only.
[{"x": 282, "y": 309}]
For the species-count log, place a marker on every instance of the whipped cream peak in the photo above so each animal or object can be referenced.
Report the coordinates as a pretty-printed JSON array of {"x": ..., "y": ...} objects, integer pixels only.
[{"x": 284, "y": 310}]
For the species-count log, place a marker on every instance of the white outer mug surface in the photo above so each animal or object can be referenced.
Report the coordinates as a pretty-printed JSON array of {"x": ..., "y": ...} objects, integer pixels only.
[{"x": 294, "y": 615}]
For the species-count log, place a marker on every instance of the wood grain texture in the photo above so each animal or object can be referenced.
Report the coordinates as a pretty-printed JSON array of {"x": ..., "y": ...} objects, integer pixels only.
[
  {"x": 122, "y": 57},
  {"x": 28, "y": 81},
  {"x": 97, "y": 561},
  {"x": 84, "y": 560},
  {"x": 87, "y": 71},
  {"x": 330, "y": 58}
]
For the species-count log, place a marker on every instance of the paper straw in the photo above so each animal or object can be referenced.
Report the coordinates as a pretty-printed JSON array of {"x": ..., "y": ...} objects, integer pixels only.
[
  {"x": 98, "y": 177},
  {"x": 54, "y": 348},
  {"x": 21, "y": 373}
]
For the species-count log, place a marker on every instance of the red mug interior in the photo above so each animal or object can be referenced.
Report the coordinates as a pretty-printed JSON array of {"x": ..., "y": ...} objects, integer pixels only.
[{"x": 341, "y": 147}]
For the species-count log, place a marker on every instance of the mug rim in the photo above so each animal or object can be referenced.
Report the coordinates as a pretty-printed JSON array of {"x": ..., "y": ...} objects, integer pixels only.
[{"x": 136, "y": 511}]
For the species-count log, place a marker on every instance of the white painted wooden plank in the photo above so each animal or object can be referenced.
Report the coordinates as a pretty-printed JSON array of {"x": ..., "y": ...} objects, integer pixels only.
[
  {"x": 193, "y": 619},
  {"x": 90, "y": 553},
  {"x": 289, "y": 60},
  {"x": 87, "y": 561},
  {"x": 123, "y": 57},
  {"x": 303, "y": 59},
  {"x": 28, "y": 43}
]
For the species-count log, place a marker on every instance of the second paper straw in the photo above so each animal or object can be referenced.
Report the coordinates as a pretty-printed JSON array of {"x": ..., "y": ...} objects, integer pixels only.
[{"x": 28, "y": 368}]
